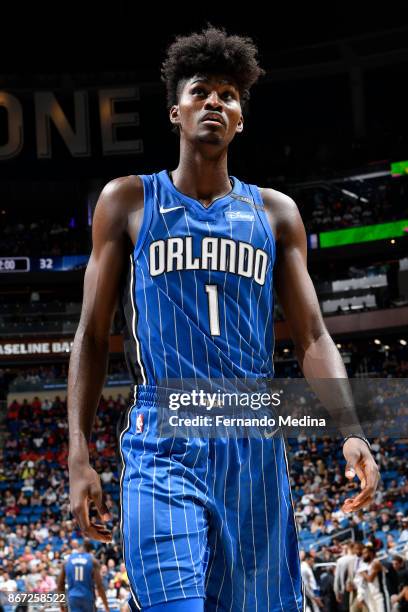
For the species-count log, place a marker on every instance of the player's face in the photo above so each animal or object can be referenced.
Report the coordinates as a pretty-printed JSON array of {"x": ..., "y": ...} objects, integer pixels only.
[{"x": 209, "y": 110}]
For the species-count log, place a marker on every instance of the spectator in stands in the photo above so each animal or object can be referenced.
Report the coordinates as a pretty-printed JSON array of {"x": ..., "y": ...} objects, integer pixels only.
[
  {"x": 111, "y": 569},
  {"x": 317, "y": 525},
  {"x": 404, "y": 533},
  {"x": 313, "y": 599},
  {"x": 327, "y": 590},
  {"x": 104, "y": 576},
  {"x": 35, "y": 499},
  {"x": 6, "y": 583},
  {"x": 46, "y": 583},
  {"x": 354, "y": 582},
  {"x": 9, "y": 498},
  {"x": 384, "y": 520},
  {"x": 390, "y": 543},
  {"x": 121, "y": 577},
  {"x": 401, "y": 569},
  {"x": 340, "y": 575},
  {"x": 32, "y": 579},
  {"x": 400, "y": 600},
  {"x": 50, "y": 496}
]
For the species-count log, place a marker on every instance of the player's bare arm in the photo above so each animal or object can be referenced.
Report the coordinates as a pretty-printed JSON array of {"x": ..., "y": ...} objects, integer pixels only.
[
  {"x": 316, "y": 352},
  {"x": 116, "y": 219},
  {"x": 99, "y": 585},
  {"x": 376, "y": 568}
]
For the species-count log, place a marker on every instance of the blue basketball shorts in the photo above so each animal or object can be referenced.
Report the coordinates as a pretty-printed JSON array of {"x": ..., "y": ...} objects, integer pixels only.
[
  {"x": 81, "y": 604},
  {"x": 206, "y": 517}
]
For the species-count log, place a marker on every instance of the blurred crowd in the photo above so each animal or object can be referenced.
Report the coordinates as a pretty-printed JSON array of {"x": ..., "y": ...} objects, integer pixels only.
[
  {"x": 43, "y": 237},
  {"x": 36, "y": 527},
  {"x": 366, "y": 357},
  {"x": 332, "y": 577},
  {"x": 352, "y": 204},
  {"x": 363, "y": 358},
  {"x": 26, "y": 378}
]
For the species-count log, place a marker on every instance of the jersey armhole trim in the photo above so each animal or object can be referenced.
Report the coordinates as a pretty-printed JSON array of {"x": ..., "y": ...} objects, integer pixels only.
[
  {"x": 262, "y": 216},
  {"x": 147, "y": 215}
]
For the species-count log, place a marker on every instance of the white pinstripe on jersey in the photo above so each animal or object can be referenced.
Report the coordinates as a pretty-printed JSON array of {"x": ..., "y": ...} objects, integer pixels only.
[
  {"x": 252, "y": 518},
  {"x": 138, "y": 506},
  {"x": 138, "y": 606},
  {"x": 279, "y": 522},
  {"x": 181, "y": 289},
  {"x": 171, "y": 523},
  {"x": 267, "y": 523},
  {"x": 296, "y": 527}
]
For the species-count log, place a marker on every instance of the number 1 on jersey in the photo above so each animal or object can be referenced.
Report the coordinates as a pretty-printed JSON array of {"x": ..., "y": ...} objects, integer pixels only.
[{"x": 213, "y": 309}]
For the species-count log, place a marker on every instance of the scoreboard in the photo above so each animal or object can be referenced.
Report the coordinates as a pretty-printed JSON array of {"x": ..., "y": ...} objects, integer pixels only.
[{"x": 15, "y": 265}]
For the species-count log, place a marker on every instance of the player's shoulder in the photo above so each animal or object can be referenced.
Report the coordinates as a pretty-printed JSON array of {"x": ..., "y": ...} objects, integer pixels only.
[
  {"x": 282, "y": 212},
  {"x": 119, "y": 199},
  {"x": 124, "y": 190},
  {"x": 277, "y": 201}
]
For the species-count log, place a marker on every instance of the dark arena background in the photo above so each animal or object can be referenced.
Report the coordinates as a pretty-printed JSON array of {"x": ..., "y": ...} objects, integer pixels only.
[{"x": 81, "y": 103}]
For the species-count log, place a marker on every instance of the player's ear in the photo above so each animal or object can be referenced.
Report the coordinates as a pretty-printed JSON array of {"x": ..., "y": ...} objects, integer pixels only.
[
  {"x": 174, "y": 115},
  {"x": 240, "y": 125}
]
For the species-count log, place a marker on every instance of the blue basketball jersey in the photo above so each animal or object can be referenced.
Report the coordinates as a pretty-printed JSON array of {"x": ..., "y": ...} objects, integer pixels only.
[
  {"x": 203, "y": 517},
  {"x": 78, "y": 570},
  {"x": 199, "y": 294}
]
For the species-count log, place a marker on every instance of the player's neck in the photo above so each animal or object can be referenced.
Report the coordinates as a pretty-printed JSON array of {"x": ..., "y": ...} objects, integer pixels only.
[{"x": 202, "y": 179}]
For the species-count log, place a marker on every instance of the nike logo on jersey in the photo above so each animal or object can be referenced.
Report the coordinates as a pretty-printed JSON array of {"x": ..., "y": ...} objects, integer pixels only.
[
  {"x": 166, "y": 210},
  {"x": 270, "y": 434}
]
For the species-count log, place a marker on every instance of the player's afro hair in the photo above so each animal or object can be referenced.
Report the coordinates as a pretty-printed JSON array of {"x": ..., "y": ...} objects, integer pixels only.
[{"x": 211, "y": 51}]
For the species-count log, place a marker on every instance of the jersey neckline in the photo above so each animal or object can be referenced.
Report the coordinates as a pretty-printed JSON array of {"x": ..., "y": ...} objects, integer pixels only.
[{"x": 169, "y": 183}]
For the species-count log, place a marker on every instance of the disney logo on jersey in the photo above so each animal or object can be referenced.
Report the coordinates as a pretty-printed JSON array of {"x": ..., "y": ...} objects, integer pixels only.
[{"x": 239, "y": 215}]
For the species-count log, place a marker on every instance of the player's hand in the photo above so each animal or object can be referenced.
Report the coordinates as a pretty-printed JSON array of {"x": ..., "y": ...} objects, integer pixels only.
[
  {"x": 85, "y": 488},
  {"x": 361, "y": 462}
]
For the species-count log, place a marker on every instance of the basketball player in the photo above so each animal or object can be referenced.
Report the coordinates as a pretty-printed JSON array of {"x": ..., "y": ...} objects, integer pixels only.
[
  {"x": 377, "y": 595},
  {"x": 206, "y": 523},
  {"x": 81, "y": 572}
]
